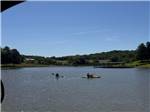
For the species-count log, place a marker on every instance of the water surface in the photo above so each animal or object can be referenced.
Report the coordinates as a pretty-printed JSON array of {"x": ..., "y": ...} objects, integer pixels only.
[{"x": 37, "y": 90}]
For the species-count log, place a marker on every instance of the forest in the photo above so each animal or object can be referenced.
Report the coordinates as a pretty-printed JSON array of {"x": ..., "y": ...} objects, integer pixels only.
[{"x": 107, "y": 59}]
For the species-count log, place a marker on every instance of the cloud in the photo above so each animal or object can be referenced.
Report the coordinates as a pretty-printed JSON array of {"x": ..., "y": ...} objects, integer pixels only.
[
  {"x": 85, "y": 32},
  {"x": 60, "y": 42},
  {"x": 112, "y": 39}
]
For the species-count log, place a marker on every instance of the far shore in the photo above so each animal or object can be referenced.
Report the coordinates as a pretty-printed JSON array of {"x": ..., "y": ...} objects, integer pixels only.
[
  {"x": 42, "y": 65},
  {"x": 22, "y": 65}
]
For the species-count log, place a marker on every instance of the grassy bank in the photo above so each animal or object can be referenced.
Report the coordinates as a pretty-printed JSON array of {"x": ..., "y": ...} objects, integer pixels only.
[
  {"x": 138, "y": 64},
  {"x": 22, "y": 65},
  {"x": 145, "y": 66},
  {"x": 134, "y": 64}
]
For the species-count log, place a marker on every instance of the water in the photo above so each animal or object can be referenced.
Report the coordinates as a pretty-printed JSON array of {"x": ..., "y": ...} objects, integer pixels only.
[{"x": 36, "y": 90}]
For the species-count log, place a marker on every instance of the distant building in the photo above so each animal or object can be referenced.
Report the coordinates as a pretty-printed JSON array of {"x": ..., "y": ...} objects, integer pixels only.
[
  {"x": 29, "y": 59},
  {"x": 103, "y": 61}
]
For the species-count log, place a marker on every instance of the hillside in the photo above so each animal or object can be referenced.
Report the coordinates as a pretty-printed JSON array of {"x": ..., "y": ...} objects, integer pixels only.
[{"x": 115, "y": 58}]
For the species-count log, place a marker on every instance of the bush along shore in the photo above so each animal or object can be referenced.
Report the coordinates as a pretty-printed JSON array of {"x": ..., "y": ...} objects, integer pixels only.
[
  {"x": 21, "y": 65},
  {"x": 135, "y": 64},
  {"x": 112, "y": 59}
]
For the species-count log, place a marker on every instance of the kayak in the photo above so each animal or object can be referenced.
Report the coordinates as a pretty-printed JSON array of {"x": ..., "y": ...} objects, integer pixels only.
[{"x": 92, "y": 77}]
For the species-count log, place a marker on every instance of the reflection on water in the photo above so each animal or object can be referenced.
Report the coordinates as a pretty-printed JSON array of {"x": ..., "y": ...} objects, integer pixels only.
[{"x": 36, "y": 89}]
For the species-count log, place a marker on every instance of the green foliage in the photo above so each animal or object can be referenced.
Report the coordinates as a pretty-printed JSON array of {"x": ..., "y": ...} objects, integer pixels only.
[
  {"x": 15, "y": 56},
  {"x": 92, "y": 59},
  {"x": 148, "y": 49},
  {"x": 143, "y": 51},
  {"x": 79, "y": 61},
  {"x": 10, "y": 56},
  {"x": 111, "y": 58}
]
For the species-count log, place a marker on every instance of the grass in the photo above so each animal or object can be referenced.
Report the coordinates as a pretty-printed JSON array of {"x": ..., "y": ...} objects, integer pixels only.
[
  {"x": 22, "y": 65},
  {"x": 138, "y": 64},
  {"x": 134, "y": 64},
  {"x": 142, "y": 64},
  {"x": 145, "y": 66}
]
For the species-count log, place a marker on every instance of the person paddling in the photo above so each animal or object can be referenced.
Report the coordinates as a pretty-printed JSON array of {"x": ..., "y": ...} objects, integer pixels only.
[
  {"x": 57, "y": 75},
  {"x": 88, "y": 75}
]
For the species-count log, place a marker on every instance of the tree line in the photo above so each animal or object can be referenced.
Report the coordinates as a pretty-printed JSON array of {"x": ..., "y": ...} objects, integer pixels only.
[
  {"x": 143, "y": 51},
  {"x": 12, "y": 56}
]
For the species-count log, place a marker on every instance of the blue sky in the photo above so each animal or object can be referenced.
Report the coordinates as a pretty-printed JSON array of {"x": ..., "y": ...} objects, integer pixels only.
[{"x": 70, "y": 28}]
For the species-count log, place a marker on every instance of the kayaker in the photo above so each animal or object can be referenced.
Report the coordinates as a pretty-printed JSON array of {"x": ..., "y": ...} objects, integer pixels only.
[
  {"x": 88, "y": 75},
  {"x": 57, "y": 75}
]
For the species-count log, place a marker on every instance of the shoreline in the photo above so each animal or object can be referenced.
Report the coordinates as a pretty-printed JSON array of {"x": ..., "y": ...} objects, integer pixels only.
[
  {"x": 21, "y": 65},
  {"x": 41, "y": 65}
]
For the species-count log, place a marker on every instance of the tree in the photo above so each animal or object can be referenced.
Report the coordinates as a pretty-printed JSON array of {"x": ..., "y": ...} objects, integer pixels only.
[
  {"x": 115, "y": 59},
  {"x": 15, "y": 56},
  {"x": 5, "y": 55},
  {"x": 9, "y": 56},
  {"x": 79, "y": 61},
  {"x": 141, "y": 52},
  {"x": 148, "y": 50}
]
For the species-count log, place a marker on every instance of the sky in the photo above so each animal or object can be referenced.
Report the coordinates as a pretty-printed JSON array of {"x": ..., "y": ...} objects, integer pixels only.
[{"x": 71, "y": 28}]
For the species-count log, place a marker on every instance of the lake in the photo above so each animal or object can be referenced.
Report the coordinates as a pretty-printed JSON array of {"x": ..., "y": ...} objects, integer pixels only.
[{"x": 37, "y": 90}]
